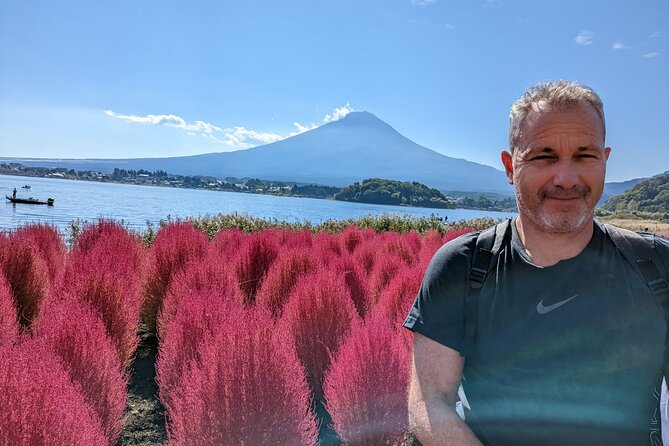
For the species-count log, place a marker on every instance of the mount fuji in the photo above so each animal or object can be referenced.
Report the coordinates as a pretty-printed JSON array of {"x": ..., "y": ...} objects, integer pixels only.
[{"x": 338, "y": 153}]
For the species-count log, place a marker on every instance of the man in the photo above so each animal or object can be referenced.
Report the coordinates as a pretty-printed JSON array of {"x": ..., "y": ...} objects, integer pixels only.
[{"x": 568, "y": 340}]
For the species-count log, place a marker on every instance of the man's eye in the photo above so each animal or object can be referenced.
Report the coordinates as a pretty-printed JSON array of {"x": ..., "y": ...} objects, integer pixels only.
[
  {"x": 586, "y": 155},
  {"x": 540, "y": 157}
]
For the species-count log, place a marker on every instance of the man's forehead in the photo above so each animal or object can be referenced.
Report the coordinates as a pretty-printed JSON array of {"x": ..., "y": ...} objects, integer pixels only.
[{"x": 542, "y": 111}]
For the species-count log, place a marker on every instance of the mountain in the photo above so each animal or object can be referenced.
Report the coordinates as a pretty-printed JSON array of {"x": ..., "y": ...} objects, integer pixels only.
[
  {"x": 615, "y": 188},
  {"x": 339, "y": 153},
  {"x": 650, "y": 195}
]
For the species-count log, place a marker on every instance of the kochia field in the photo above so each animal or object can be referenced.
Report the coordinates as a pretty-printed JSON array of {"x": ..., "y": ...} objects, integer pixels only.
[{"x": 268, "y": 337}]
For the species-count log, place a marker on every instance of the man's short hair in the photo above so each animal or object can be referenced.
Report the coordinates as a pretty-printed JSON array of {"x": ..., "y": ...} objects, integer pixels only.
[{"x": 551, "y": 94}]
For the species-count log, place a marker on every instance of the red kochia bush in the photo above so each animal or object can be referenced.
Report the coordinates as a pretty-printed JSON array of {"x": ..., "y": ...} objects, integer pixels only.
[
  {"x": 49, "y": 244},
  {"x": 39, "y": 405},
  {"x": 281, "y": 277},
  {"x": 404, "y": 246},
  {"x": 200, "y": 314},
  {"x": 79, "y": 338},
  {"x": 252, "y": 262},
  {"x": 366, "y": 386},
  {"x": 318, "y": 316},
  {"x": 27, "y": 275},
  {"x": 431, "y": 243},
  {"x": 396, "y": 300},
  {"x": 110, "y": 283},
  {"x": 176, "y": 244},
  {"x": 385, "y": 268},
  {"x": 9, "y": 325},
  {"x": 355, "y": 281},
  {"x": 226, "y": 242},
  {"x": 202, "y": 275},
  {"x": 248, "y": 388},
  {"x": 365, "y": 255},
  {"x": 124, "y": 249}
]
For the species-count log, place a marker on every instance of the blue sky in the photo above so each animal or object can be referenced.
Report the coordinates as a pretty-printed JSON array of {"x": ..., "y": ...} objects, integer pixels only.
[{"x": 148, "y": 78}]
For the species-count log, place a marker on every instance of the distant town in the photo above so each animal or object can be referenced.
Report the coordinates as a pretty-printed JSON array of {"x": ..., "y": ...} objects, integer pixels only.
[{"x": 230, "y": 184}]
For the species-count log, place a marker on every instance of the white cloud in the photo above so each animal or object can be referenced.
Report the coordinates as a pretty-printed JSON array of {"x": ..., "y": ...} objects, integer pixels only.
[
  {"x": 302, "y": 128},
  {"x": 584, "y": 38},
  {"x": 423, "y": 2},
  {"x": 243, "y": 138},
  {"x": 237, "y": 137},
  {"x": 449, "y": 26},
  {"x": 338, "y": 113},
  {"x": 169, "y": 121},
  {"x": 618, "y": 46},
  {"x": 651, "y": 55}
]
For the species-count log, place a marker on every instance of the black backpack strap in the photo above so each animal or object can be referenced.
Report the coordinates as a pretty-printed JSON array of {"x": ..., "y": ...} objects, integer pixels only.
[
  {"x": 488, "y": 245},
  {"x": 639, "y": 250}
]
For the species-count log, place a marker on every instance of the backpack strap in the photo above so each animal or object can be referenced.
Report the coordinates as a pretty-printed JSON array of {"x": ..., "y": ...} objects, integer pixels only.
[
  {"x": 488, "y": 245},
  {"x": 639, "y": 250}
]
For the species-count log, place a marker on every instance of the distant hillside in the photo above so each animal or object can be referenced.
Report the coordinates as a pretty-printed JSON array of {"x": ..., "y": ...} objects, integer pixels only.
[
  {"x": 339, "y": 153},
  {"x": 379, "y": 191},
  {"x": 615, "y": 188},
  {"x": 648, "y": 196}
]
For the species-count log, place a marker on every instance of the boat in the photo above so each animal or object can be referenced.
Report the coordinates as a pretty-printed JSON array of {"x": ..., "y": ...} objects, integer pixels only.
[
  {"x": 31, "y": 200},
  {"x": 26, "y": 186}
]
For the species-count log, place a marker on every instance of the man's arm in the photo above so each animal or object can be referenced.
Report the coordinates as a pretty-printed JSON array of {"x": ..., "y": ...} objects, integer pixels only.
[{"x": 436, "y": 372}]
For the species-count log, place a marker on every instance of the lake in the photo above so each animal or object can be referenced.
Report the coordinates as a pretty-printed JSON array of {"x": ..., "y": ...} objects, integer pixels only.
[{"x": 135, "y": 204}]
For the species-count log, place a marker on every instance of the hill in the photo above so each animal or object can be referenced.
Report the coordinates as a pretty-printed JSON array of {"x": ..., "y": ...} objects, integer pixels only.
[
  {"x": 339, "y": 153},
  {"x": 650, "y": 196},
  {"x": 615, "y": 188},
  {"x": 379, "y": 191}
]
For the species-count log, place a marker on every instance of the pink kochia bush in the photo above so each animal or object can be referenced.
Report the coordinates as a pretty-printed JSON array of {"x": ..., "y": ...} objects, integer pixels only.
[
  {"x": 250, "y": 265},
  {"x": 246, "y": 388},
  {"x": 106, "y": 274},
  {"x": 39, "y": 404},
  {"x": 366, "y": 386},
  {"x": 175, "y": 246},
  {"x": 78, "y": 337},
  {"x": 49, "y": 244},
  {"x": 396, "y": 299},
  {"x": 9, "y": 325},
  {"x": 281, "y": 278},
  {"x": 318, "y": 316},
  {"x": 27, "y": 275},
  {"x": 200, "y": 315},
  {"x": 203, "y": 275}
]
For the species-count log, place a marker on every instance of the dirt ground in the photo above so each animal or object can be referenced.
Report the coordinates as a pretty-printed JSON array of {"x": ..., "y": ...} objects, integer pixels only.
[
  {"x": 145, "y": 423},
  {"x": 659, "y": 228}
]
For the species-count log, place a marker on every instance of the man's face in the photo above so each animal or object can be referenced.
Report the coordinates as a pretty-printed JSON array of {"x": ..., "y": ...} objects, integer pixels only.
[{"x": 558, "y": 168}]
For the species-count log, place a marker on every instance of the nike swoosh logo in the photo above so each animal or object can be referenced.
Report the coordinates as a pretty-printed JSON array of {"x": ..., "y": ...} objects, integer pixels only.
[{"x": 542, "y": 309}]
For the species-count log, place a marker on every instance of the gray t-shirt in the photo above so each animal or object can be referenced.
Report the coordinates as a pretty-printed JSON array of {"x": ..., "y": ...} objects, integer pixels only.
[{"x": 564, "y": 355}]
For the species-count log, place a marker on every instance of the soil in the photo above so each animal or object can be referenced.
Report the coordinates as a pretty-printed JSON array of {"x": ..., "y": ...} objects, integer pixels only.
[{"x": 145, "y": 423}]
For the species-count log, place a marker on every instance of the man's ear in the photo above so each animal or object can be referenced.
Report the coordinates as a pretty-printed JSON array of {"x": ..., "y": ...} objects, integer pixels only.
[
  {"x": 507, "y": 160},
  {"x": 607, "y": 152}
]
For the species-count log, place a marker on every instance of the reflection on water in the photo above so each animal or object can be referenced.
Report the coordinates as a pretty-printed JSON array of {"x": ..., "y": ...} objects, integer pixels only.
[{"x": 135, "y": 205}]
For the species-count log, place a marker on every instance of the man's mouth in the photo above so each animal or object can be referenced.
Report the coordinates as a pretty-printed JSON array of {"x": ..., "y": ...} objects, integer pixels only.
[{"x": 575, "y": 193}]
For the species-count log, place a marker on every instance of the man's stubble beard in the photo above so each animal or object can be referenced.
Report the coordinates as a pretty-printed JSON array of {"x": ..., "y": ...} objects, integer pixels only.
[{"x": 553, "y": 223}]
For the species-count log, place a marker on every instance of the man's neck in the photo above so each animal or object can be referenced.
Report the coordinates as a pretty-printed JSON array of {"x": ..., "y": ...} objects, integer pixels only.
[{"x": 546, "y": 249}]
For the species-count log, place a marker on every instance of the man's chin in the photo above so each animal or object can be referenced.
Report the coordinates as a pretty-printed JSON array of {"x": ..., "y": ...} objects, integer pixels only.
[{"x": 563, "y": 224}]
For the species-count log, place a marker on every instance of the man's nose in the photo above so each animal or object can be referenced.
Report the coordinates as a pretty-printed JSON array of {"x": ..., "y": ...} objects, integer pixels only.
[{"x": 566, "y": 175}]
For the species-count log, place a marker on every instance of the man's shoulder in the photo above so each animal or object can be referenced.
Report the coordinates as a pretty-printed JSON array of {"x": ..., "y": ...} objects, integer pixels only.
[{"x": 659, "y": 244}]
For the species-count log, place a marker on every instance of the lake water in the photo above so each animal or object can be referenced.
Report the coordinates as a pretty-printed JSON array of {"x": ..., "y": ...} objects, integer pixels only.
[{"x": 136, "y": 204}]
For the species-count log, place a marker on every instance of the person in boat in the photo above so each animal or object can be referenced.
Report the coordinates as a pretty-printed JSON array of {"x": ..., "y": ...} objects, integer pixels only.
[
  {"x": 14, "y": 193},
  {"x": 556, "y": 336}
]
